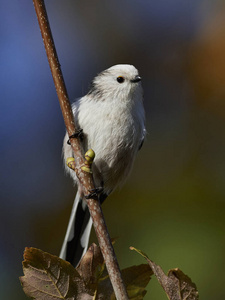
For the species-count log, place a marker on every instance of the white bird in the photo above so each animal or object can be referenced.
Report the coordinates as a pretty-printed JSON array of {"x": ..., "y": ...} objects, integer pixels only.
[{"x": 112, "y": 118}]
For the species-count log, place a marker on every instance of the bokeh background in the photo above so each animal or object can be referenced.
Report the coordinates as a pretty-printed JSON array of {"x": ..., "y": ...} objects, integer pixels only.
[{"x": 172, "y": 207}]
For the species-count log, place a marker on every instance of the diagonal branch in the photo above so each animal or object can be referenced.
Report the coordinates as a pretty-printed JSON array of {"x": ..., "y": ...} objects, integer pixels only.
[{"x": 86, "y": 179}]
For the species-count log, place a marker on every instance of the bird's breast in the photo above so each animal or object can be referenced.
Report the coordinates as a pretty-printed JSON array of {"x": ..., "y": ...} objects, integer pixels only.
[{"x": 114, "y": 138}]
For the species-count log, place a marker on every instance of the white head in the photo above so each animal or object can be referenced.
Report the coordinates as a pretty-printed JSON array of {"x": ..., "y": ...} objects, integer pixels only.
[{"x": 121, "y": 81}]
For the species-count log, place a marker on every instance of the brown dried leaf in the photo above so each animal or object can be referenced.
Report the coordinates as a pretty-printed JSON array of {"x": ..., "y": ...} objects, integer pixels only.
[
  {"x": 91, "y": 266},
  {"x": 177, "y": 285},
  {"x": 188, "y": 289},
  {"x": 50, "y": 278},
  {"x": 92, "y": 270}
]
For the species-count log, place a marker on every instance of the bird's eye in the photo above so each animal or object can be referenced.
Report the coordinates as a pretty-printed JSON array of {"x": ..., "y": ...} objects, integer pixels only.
[{"x": 120, "y": 79}]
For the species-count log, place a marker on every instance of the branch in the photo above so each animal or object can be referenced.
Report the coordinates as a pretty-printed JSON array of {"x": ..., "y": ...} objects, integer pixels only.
[{"x": 86, "y": 179}]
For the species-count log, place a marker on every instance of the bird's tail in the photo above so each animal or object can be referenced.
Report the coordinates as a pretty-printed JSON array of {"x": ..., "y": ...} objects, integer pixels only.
[{"x": 78, "y": 232}]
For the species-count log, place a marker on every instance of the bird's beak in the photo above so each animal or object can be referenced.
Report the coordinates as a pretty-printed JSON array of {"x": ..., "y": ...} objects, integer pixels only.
[{"x": 136, "y": 79}]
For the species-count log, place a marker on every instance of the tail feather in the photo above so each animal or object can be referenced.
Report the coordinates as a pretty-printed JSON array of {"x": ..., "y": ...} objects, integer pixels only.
[{"x": 78, "y": 232}]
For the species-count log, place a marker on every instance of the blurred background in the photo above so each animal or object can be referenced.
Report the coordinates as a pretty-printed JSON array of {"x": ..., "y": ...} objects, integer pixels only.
[{"x": 172, "y": 207}]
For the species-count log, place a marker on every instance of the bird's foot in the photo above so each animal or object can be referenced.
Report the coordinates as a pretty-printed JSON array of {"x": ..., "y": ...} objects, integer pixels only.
[
  {"x": 94, "y": 193},
  {"x": 77, "y": 134}
]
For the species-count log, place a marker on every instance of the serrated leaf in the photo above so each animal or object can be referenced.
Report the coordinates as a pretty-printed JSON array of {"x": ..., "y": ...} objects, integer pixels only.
[
  {"x": 188, "y": 289},
  {"x": 177, "y": 285},
  {"x": 50, "y": 278},
  {"x": 92, "y": 270},
  {"x": 135, "y": 279}
]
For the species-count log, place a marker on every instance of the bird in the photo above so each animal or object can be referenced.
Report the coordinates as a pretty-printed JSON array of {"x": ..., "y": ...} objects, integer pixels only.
[{"x": 112, "y": 119}]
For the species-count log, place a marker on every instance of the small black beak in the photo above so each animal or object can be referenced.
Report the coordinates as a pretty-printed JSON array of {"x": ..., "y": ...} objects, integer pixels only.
[{"x": 136, "y": 79}]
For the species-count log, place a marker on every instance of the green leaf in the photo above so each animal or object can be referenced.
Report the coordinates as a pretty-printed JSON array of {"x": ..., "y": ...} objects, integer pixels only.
[{"x": 135, "y": 279}]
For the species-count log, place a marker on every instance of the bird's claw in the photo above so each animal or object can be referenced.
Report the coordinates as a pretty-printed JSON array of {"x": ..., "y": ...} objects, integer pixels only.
[
  {"x": 77, "y": 134},
  {"x": 94, "y": 193}
]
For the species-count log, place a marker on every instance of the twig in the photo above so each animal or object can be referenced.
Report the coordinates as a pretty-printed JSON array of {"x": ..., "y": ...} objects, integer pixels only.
[{"x": 86, "y": 179}]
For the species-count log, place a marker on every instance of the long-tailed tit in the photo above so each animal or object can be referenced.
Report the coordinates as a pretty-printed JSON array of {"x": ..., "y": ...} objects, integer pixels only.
[{"x": 113, "y": 122}]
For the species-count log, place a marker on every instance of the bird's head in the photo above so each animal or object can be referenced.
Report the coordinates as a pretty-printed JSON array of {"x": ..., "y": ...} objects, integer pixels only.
[{"x": 119, "y": 81}]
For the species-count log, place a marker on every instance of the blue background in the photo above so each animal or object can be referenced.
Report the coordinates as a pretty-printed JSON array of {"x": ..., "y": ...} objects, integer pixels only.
[{"x": 172, "y": 206}]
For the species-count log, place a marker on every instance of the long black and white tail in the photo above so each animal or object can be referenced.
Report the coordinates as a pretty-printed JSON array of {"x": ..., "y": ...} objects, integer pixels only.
[{"x": 78, "y": 232}]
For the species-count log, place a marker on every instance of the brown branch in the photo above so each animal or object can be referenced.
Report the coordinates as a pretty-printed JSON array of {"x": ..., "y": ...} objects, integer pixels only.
[{"x": 86, "y": 179}]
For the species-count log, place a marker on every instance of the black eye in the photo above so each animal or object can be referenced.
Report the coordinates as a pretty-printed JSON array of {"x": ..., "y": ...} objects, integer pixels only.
[{"x": 120, "y": 79}]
